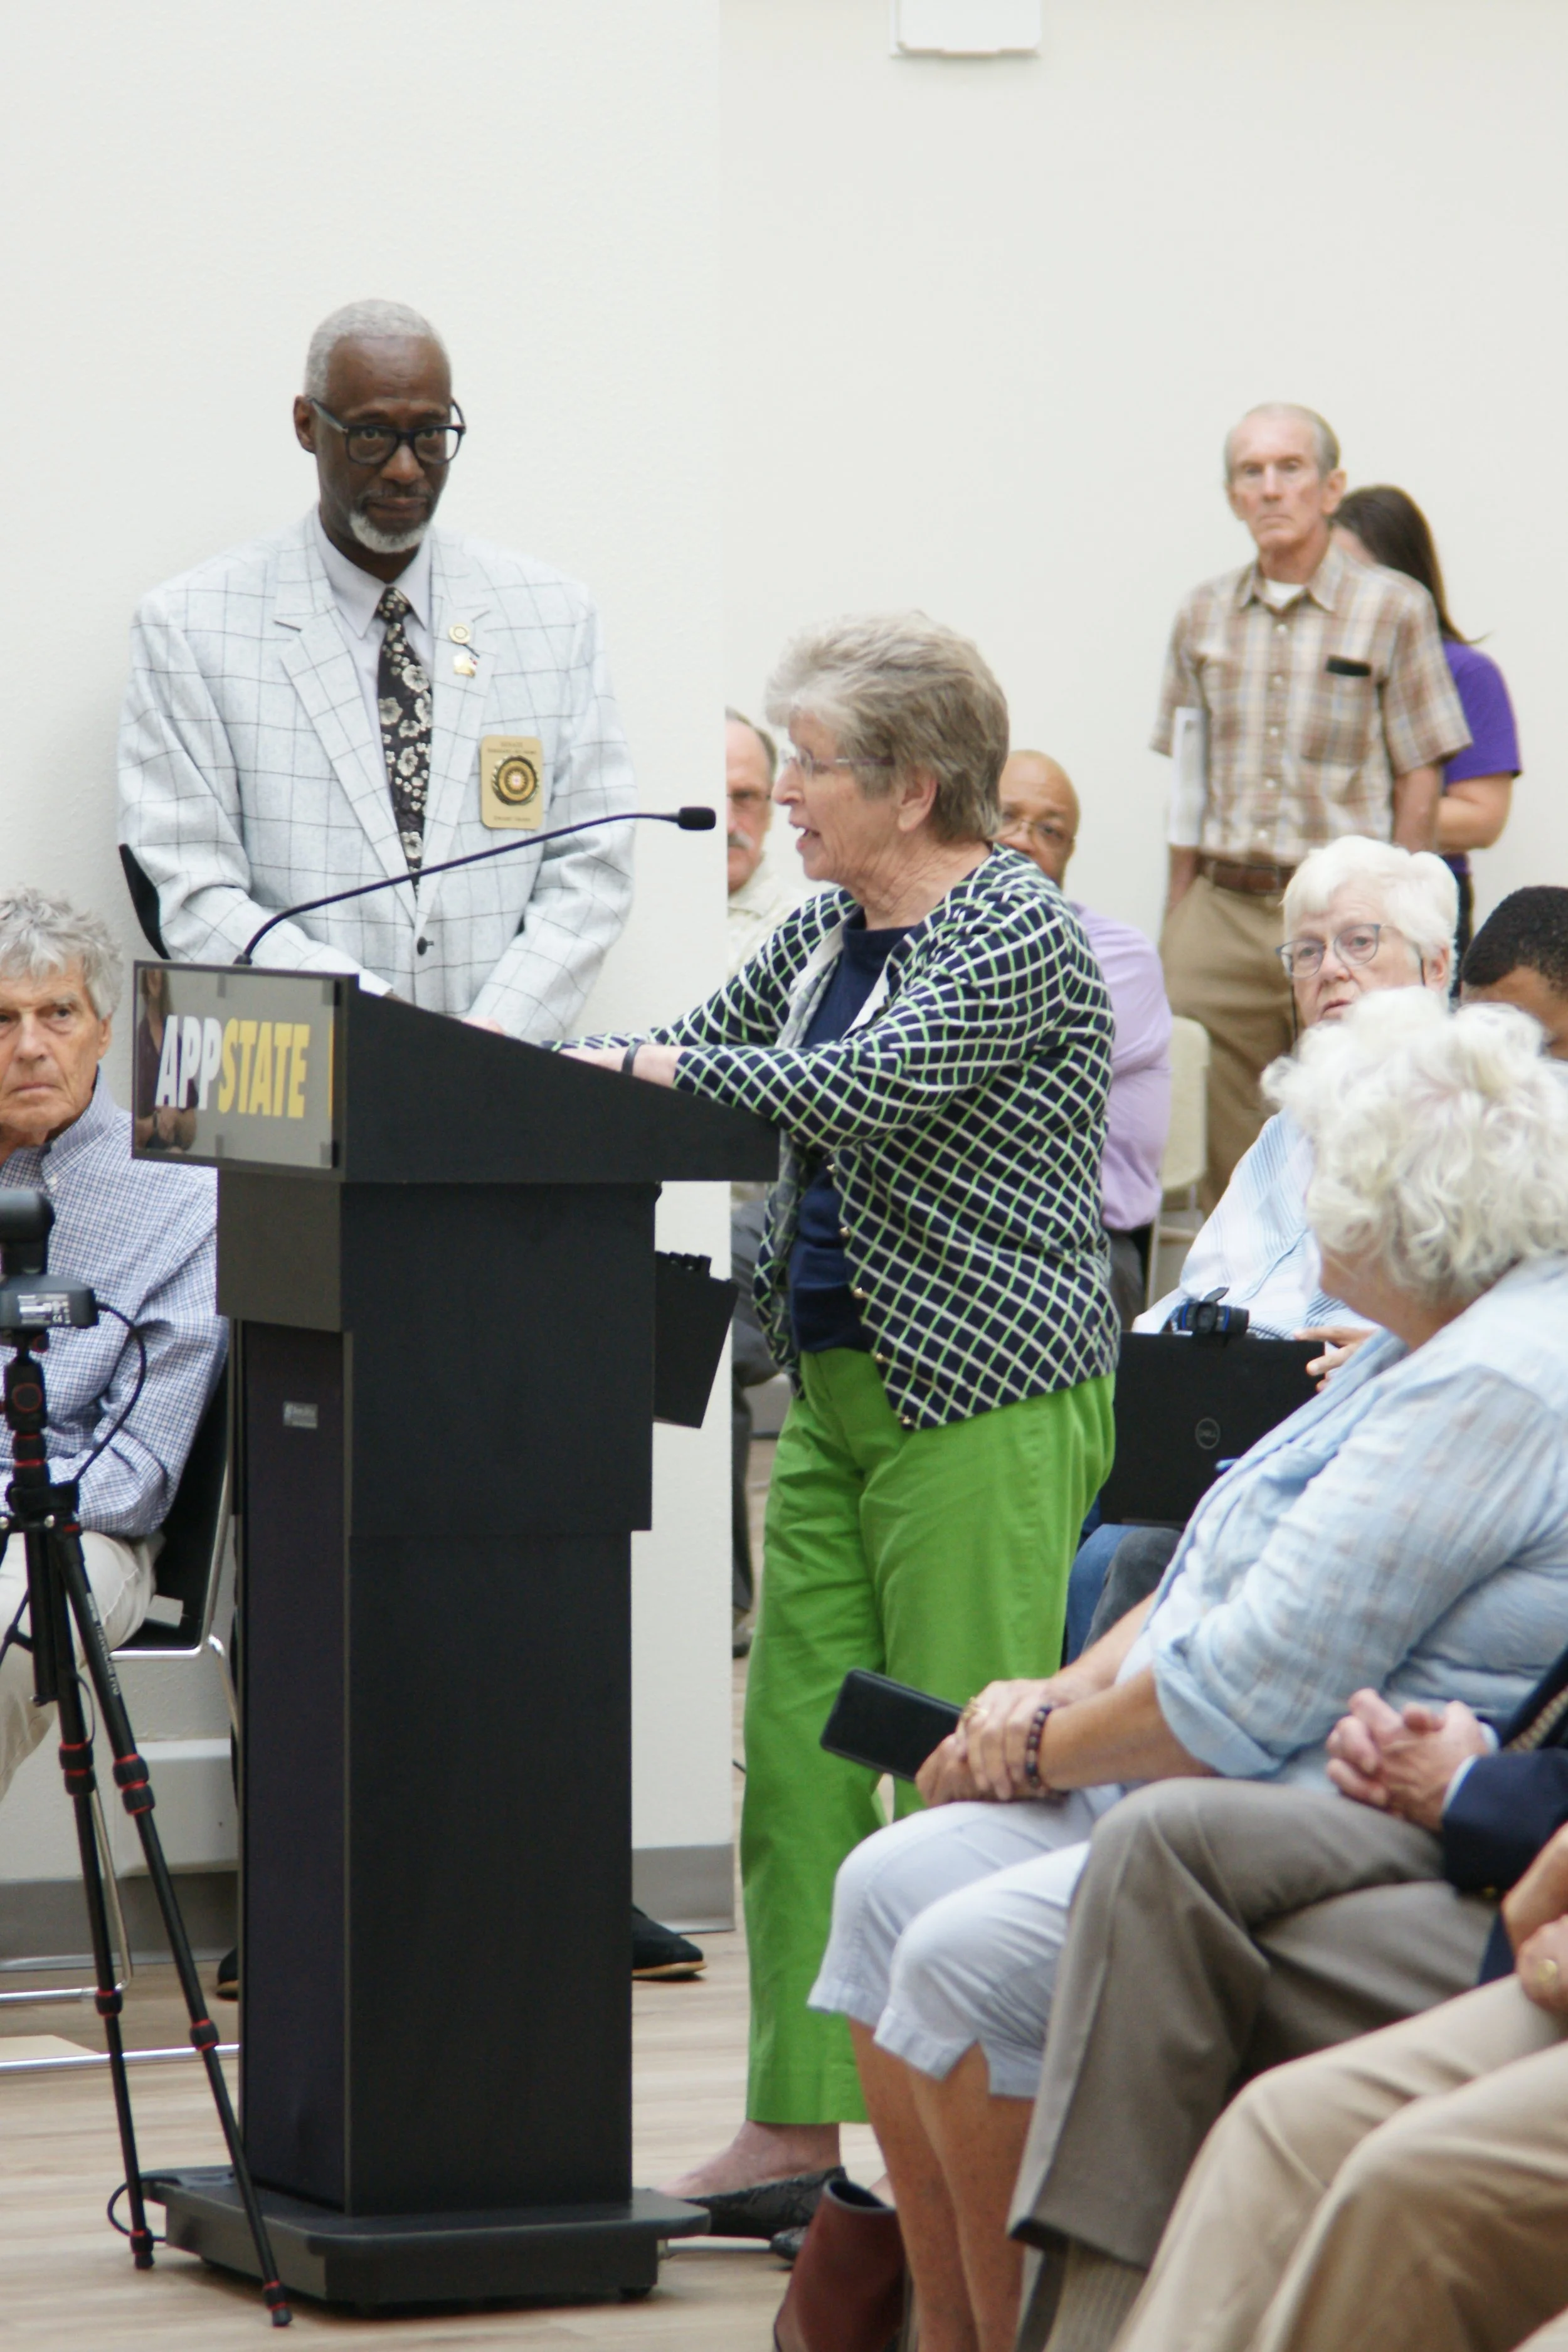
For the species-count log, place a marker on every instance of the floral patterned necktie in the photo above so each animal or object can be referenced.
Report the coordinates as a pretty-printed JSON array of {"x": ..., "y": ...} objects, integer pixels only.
[{"x": 402, "y": 693}]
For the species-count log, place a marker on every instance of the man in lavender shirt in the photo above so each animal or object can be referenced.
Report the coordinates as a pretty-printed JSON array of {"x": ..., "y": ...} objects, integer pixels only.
[{"x": 1040, "y": 818}]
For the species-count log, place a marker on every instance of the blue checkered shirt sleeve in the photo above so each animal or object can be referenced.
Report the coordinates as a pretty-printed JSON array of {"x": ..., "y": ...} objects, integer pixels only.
[{"x": 144, "y": 1235}]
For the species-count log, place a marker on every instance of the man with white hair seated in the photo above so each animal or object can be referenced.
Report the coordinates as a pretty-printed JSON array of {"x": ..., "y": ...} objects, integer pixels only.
[
  {"x": 1368, "y": 1541},
  {"x": 142, "y": 1234},
  {"x": 360, "y": 696}
]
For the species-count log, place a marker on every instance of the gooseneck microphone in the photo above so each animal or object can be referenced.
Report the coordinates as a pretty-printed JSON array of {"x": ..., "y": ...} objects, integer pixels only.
[{"x": 690, "y": 819}]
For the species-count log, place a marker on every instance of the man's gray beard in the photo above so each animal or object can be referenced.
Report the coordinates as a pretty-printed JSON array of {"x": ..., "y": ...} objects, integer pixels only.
[
  {"x": 386, "y": 542},
  {"x": 738, "y": 841}
]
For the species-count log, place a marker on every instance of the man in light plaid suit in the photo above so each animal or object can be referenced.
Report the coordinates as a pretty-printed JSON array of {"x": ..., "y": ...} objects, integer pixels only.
[{"x": 313, "y": 710}]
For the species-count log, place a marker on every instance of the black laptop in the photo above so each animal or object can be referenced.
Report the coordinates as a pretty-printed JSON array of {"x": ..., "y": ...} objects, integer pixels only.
[{"x": 1185, "y": 1405}]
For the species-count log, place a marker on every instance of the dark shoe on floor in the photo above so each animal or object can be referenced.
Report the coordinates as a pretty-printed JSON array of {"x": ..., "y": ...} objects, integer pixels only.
[
  {"x": 847, "y": 2292},
  {"x": 229, "y": 1976},
  {"x": 787, "y": 2245},
  {"x": 771, "y": 2206},
  {"x": 743, "y": 1627},
  {"x": 658, "y": 1954}
]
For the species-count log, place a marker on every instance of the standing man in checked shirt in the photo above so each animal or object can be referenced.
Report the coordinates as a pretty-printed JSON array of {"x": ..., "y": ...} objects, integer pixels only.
[
  {"x": 360, "y": 696},
  {"x": 142, "y": 1234},
  {"x": 1303, "y": 698}
]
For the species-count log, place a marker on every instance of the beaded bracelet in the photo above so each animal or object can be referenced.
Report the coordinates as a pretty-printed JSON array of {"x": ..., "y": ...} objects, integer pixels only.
[{"x": 1031, "y": 1745}]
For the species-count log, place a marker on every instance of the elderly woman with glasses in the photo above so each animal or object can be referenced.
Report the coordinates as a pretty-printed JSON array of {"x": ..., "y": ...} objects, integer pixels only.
[
  {"x": 1373, "y": 1539},
  {"x": 932, "y": 1035},
  {"x": 1360, "y": 915}
]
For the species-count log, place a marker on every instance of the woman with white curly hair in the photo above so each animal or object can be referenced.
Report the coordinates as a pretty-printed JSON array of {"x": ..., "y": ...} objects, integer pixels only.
[{"x": 1366, "y": 1542}]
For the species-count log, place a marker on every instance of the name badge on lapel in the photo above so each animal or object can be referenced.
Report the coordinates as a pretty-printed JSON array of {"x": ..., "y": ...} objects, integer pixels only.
[{"x": 511, "y": 783}]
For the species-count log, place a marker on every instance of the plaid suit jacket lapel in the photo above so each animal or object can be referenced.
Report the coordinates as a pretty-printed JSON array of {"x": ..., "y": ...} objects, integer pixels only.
[
  {"x": 458, "y": 597},
  {"x": 318, "y": 662}
]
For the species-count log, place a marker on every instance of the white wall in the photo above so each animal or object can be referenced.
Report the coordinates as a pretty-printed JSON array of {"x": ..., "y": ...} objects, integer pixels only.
[
  {"x": 988, "y": 321},
  {"x": 190, "y": 185}
]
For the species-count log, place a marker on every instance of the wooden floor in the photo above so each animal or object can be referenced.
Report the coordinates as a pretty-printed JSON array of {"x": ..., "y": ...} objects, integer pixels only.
[{"x": 66, "y": 2279}]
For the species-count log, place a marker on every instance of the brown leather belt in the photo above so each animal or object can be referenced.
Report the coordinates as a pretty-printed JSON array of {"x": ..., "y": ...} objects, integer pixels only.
[{"x": 1257, "y": 880}]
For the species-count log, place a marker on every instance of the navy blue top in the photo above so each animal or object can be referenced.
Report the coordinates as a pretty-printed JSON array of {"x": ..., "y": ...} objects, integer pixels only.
[{"x": 822, "y": 1312}]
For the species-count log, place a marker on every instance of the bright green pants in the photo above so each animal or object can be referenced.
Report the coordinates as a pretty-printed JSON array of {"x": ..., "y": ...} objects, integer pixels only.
[{"x": 937, "y": 1556}]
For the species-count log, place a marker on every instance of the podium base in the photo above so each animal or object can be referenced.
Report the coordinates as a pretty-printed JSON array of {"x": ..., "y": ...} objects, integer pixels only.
[{"x": 548, "y": 2252}]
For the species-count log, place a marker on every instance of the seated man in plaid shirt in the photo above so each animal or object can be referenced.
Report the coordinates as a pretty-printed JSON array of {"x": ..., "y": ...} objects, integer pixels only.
[{"x": 143, "y": 1234}]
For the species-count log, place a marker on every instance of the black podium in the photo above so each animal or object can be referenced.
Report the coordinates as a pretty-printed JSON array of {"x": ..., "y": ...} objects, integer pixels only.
[{"x": 437, "y": 1247}]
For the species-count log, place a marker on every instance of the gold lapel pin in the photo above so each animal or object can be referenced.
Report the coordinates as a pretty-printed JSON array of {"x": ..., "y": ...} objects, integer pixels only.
[
  {"x": 465, "y": 665},
  {"x": 460, "y": 633}
]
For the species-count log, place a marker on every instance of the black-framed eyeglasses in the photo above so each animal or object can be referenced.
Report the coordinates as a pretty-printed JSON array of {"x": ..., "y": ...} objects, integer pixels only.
[
  {"x": 1302, "y": 958},
  {"x": 377, "y": 445}
]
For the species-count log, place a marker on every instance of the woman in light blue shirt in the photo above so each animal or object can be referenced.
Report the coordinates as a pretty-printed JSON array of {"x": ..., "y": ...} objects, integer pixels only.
[{"x": 1368, "y": 1541}]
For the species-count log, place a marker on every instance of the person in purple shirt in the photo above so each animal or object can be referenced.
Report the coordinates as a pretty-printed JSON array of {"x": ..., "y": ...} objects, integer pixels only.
[
  {"x": 1040, "y": 817},
  {"x": 1382, "y": 525}
]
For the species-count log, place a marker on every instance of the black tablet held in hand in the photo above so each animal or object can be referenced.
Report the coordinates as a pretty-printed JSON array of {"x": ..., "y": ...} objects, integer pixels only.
[{"x": 886, "y": 1724}]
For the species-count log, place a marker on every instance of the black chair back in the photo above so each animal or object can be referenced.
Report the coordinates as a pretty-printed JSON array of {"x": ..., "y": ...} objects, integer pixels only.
[
  {"x": 144, "y": 899},
  {"x": 191, "y": 1556}
]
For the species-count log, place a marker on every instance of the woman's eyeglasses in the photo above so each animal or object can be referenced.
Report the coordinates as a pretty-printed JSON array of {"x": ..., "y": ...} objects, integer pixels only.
[
  {"x": 809, "y": 767},
  {"x": 1302, "y": 958}
]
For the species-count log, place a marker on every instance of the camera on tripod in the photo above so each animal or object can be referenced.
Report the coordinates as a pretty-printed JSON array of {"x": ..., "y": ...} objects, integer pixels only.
[
  {"x": 32, "y": 1301},
  {"x": 59, "y": 1605}
]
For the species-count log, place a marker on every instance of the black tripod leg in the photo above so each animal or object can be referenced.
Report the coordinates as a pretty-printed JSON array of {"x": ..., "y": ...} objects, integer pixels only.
[
  {"x": 136, "y": 1794},
  {"x": 49, "y": 1612}
]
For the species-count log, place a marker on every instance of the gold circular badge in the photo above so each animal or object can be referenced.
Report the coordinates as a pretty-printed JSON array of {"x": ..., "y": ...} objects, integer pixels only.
[{"x": 516, "y": 781}]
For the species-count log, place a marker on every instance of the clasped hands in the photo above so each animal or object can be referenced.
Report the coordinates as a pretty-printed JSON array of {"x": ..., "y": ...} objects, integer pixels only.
[
  {"x": 985, "y": 1757},
  {"x": 1404, "y": 1760}
]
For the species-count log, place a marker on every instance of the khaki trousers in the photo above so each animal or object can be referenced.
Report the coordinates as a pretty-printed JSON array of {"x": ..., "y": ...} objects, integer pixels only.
[
  {"x": 1217, "y": 948},
  {"x": 1217, "y": 1928},
  {"x": 1407, "y": 2190},
  {"x": 119, "y": 1576}
]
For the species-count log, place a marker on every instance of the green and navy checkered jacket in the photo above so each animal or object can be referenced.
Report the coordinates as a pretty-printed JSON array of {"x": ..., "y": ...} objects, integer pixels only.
[{"x": 963, "y": 1125}]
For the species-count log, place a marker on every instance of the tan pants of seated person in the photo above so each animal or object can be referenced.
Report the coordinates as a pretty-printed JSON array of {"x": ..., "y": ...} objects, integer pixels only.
[
  {"x": 121, "y": 1576},
  {"x": 1407, "y": 2190},
  {"x": 1220, "y": 1927}
]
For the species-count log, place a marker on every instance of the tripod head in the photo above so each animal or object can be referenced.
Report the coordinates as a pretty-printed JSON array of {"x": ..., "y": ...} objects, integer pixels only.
[{"x": 31, "y": 1301}]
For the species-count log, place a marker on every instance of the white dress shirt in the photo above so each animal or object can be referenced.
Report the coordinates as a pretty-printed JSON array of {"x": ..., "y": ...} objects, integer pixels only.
[{"x": 356, "y": 595}]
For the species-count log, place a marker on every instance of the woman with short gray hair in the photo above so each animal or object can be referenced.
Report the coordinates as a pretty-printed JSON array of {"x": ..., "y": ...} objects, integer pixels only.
[
  {"x": 1415, "y": 891},
  {"x": 1440, "y": 1147},
  {"x": 931, "y": 1035}
]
